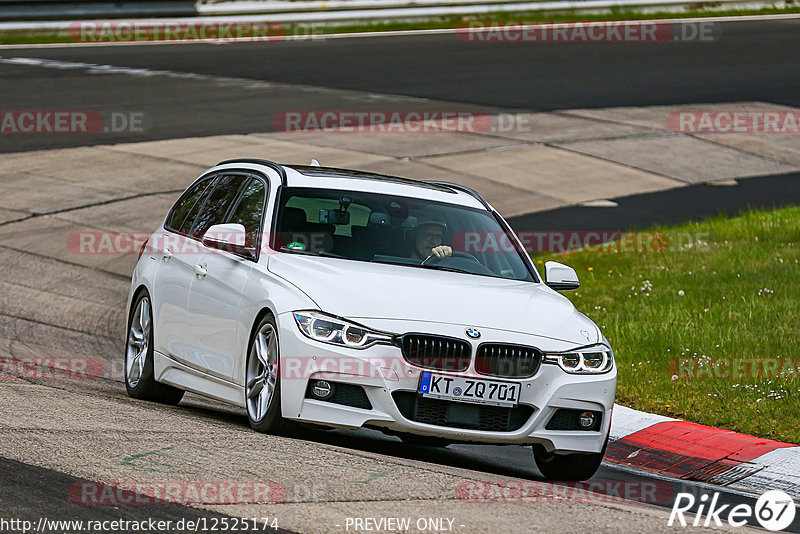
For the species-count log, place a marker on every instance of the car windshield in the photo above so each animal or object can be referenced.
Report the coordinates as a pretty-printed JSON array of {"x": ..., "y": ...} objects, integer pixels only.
[{"x": 396, "y": 230}]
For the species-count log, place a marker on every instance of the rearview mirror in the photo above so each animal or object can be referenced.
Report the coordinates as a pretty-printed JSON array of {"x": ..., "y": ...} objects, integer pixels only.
[
  {"x": 337, "y": 217},
  {"x": 560, "y": 277},
  {"x": 230, "y": 238}
]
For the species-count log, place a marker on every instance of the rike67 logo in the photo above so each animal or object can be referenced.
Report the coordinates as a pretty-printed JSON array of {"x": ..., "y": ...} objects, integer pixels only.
[{"x": 774, "y": 510}]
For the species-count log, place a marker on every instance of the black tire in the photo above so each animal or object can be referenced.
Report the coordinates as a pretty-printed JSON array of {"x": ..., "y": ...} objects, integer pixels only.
[
  {"x": 568, "y": 467},
  {"x": 272, "y": 421},
  {"x": 140, "y": 380},
  {"x": 424, "y": 441}
]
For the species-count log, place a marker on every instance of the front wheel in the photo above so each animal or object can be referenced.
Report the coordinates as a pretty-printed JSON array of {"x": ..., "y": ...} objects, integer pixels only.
[
  {"x": 140, "y": 379},
  {"x": 262, "y": 379},
  {"x": 568, "y": 467}
]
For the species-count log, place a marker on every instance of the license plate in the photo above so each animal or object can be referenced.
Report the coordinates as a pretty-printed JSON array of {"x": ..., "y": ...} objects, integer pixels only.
[{"x": 475, "y": 391}]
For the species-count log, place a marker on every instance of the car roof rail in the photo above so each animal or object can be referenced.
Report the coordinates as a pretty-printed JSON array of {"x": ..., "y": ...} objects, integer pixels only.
[
  {"x": 277, "y": 167},
  {"x": 333, "y": 172},
  {"x": 463, "y": 188}
]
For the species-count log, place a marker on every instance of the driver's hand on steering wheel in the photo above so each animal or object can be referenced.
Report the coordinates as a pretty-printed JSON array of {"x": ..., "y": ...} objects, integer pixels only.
[{"x": 442, "y": 251}]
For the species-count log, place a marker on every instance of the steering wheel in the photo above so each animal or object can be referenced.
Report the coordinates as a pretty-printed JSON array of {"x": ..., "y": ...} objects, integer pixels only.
[{"x": 433, "y": 259}]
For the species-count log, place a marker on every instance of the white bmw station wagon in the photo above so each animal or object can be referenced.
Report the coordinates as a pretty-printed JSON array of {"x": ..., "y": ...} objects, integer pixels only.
[{"x": 346, "y": 299}]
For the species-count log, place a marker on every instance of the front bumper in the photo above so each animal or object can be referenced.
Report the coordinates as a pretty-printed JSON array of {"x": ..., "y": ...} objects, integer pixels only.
[{"x": 382, "y": 373}]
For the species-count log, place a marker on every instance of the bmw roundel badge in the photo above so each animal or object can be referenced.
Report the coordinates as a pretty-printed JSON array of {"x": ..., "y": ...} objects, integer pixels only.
[{"x": 473, "y": 333}]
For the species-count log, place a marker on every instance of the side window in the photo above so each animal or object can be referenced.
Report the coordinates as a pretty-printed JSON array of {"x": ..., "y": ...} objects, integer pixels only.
[
  {"x": 218, "y": 203},
  {"x": 185, "y": 210},
  {"x": 249, "y": 210}
]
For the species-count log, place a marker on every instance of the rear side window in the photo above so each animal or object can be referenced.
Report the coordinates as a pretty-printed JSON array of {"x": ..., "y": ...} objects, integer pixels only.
[
  {"x": 249, "y": 210},
  {"x": 185, "y": 210},
  {"x": 216, "y": 206}
]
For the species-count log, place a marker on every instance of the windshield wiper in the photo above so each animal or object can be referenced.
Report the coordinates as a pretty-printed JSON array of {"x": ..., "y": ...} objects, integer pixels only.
[
  {"x": 434, "y": 267},
  {"x": 310, "y": 253},
  {"x": 443, "y": 268}
]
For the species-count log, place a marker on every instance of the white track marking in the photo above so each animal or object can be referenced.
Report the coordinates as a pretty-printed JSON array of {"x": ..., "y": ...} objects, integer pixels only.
[{"x": 226, "y": 81}]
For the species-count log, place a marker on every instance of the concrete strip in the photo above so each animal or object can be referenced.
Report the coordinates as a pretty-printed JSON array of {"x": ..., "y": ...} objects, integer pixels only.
[
  {"x": 67, "y": 312},
  {"x": 181, "y": 149},
  {"x": 549, "y": 127},
  {"x": 397, "y": 145},
  {"x": 208, "y": 151},
  {"x": 138, "y": 214},
  {"x": 96, "y": 166},
  {"x": 53, "y": 276},
  {"x": 535, "y": 178},
  {"x": 508, "y": 200},
  {"x": 36, "y": 193},
  {"x": 680, "y": 157},
  {"x": 54, "y": 238},
  {"x": 784, "y": 148},
  {"x": 655, "y": 117},
  {"x": 556, "y": 173},
  {"x": 96, "y": 169},
  {"x": 7, "y": 215}
]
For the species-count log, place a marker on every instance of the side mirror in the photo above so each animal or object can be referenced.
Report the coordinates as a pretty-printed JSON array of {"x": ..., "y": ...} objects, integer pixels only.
[
  {"x": 230, "y": 238},
  {"x": 560, "y": 277}
]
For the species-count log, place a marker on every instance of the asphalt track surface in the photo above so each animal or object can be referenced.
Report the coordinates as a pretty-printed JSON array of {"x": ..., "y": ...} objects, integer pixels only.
[
  {"x": 754, "y": 61},
  {"x": 29, "y": 493},
  {"x": 674, "y": 206},
  {"x": 750, "y": 61}
]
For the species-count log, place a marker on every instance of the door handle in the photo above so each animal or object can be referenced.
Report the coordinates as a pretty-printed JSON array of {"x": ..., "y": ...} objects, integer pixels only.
[
  {"x": 167, "y": 254},
  {"x": 200, "y": 270}
]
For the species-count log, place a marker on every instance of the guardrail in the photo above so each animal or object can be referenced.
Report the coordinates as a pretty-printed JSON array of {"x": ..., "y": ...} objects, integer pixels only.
[
  {"x": 60, "y": 9},
  {"x": 355, "y": 11}
]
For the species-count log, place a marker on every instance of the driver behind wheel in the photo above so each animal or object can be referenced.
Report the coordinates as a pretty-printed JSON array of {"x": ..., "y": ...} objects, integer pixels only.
[{"x": 427, "y": 237}]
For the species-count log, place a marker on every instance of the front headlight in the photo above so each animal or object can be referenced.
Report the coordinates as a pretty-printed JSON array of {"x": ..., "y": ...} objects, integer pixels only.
[
  {"x": 584, "y": 361},
  {"x": 328, "y": 329}
]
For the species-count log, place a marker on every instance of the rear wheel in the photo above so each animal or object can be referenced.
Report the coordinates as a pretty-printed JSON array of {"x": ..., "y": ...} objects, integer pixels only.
[
  {"x": 568, "y": 467},
  {"x": 262, "y": 379},
  {"x": 140, "y": 379}
]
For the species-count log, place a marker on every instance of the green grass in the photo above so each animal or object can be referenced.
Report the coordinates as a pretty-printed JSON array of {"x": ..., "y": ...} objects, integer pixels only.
[
  {"x": 740, "y": 299},
  {"x": 17, "y": 37}
]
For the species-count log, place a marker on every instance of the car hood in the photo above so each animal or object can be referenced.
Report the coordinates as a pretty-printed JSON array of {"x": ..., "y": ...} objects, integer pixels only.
[{"x": 364, "y": 290}]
